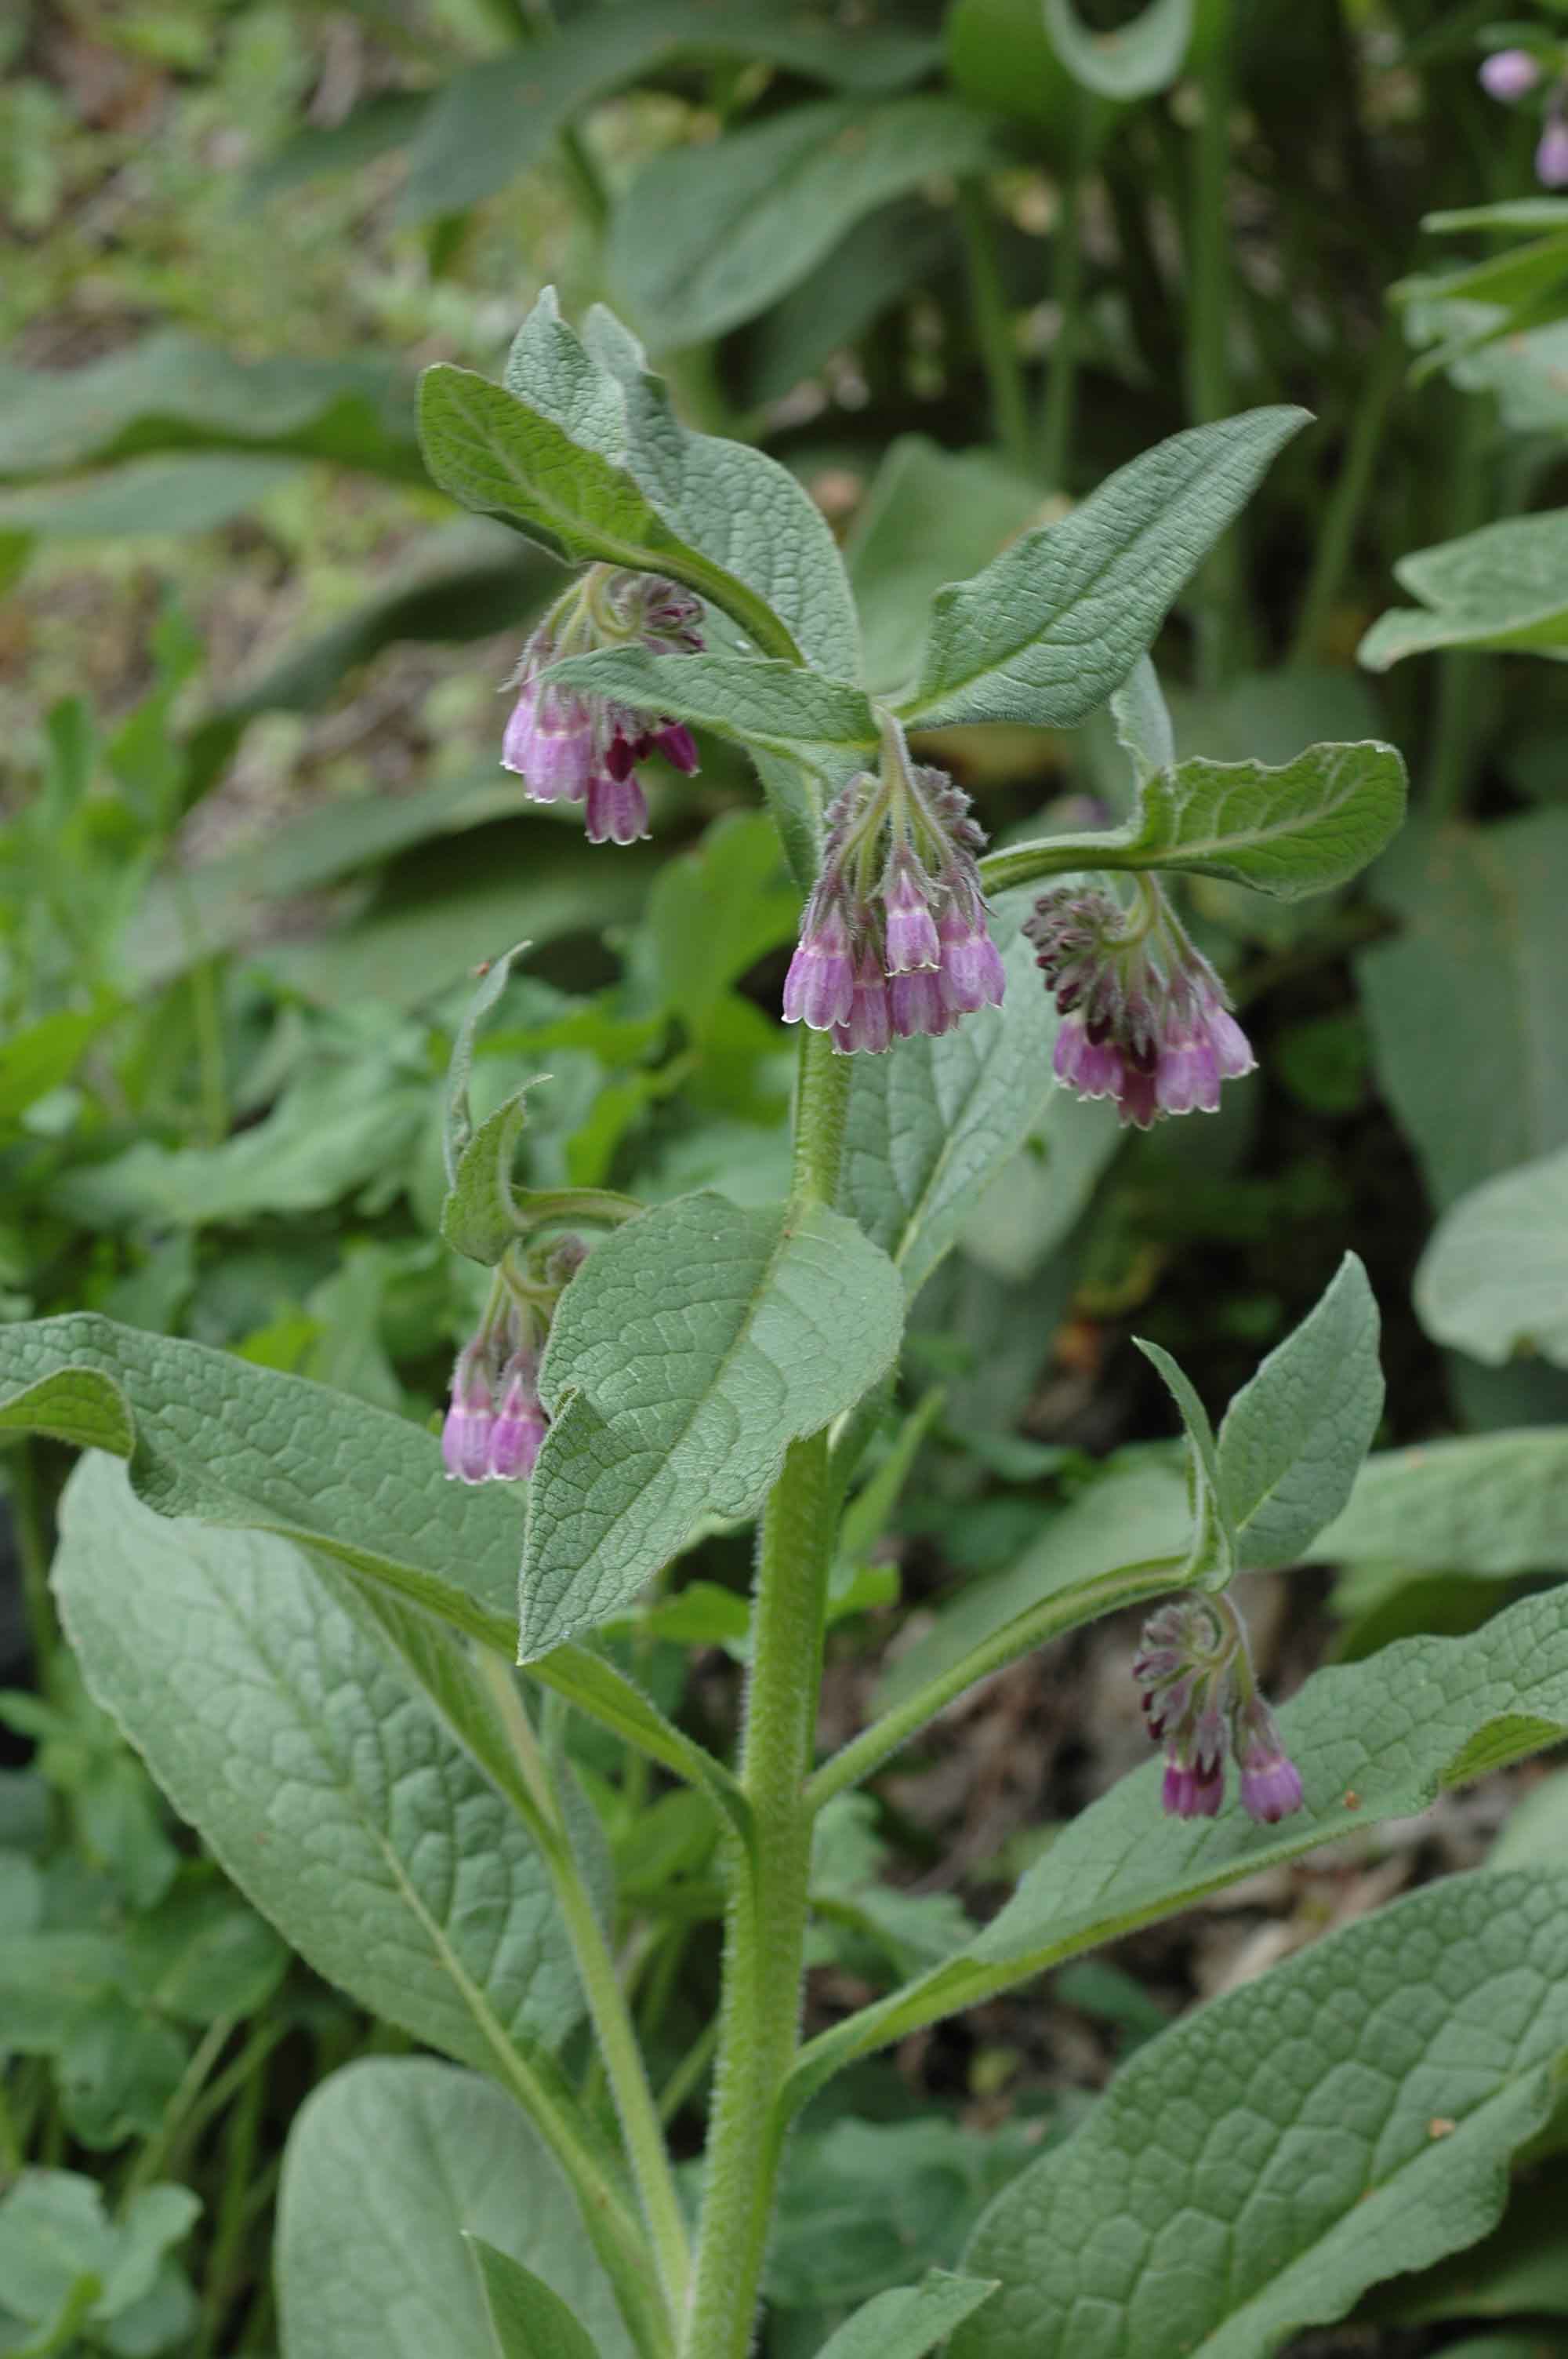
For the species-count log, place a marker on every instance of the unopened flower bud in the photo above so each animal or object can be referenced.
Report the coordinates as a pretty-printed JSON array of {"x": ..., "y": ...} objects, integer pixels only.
[
  {"x": 566, "y": 1257},
  {"x": 1200, "y": 1700},
  {"x": 1145, "y": 1019}
]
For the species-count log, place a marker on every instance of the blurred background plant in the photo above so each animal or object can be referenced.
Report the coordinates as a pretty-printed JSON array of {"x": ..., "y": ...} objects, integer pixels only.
[{"x": 953, "y": 266}]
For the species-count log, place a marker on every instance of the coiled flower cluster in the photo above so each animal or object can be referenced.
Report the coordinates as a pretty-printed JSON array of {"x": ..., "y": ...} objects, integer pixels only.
[
  {"x": 1146, "y": 1020},
  {"x": 894, "y": 940},
  {"x": 1200, "y": 1700},
  {"x": 568, "y": 746},
  {"x": 495, "y": 1422}
]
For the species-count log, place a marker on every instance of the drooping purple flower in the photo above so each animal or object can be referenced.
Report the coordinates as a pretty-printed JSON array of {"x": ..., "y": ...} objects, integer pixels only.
[
  {"x": 568, "y": 746},
  {"x": 819, "y": 989},
  {"x": 1200, "y": 1700},
  {"x": 1509, "y": 75},
  {"x": 869, "y": 1025},
  {"x": 1270, "y": 1782},
  {"x": 1551, "y": 155},
  {"x": 471, "y": 1419},
  {"x": 894, "y": 942},
  {"x": 521, "y": 1423},
  {"x": 1145, "y": 1019}
]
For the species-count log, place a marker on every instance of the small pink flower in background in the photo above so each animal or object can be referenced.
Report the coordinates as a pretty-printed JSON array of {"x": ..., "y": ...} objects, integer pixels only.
[
  {"x": 1509, "y": 75},
  {"x": 1551, "y": 155},
  {"x": 1145, "y": 1019}
]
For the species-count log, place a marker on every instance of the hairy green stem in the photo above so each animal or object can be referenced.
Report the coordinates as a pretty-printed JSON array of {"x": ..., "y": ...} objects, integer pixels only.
[
  {"x": 765, "y": 1930},
  {"x": 617, "y": 2041},
  {"x": 1050, "y": 1619},
  {"x": 993, "y": 324},
  {"x": 1209, "y": 348},
  {"x": 1349, "y": 494},
  {"x": 1062, "y": 372}
]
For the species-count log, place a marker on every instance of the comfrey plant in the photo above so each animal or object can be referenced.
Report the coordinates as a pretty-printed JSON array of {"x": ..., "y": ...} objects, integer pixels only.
[{"x": 309, "y": 1617}]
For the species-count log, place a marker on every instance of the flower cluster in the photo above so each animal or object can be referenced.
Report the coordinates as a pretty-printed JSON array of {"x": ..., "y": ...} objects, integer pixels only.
[
  {"x": 1145, "y": 1018},
  {"x": 571, "y": 747},
  {"x": 495, "y": 1421},
  {"x": 895, "y": 940},
  {"x": 1512, "y": 74},
  {"x": 1200, "y": 1700}
]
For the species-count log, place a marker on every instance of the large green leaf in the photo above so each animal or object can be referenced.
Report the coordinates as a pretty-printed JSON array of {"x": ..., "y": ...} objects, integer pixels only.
[
  {"x": 1469, "y": 1005},
  {"x": 189, "y": 493},
  {"x": 909, "y": 2321},
  {"x": 497, "y": 118},
  {"x": 1491, "y": 1503},
  {"x": 1253, "y": 2170},
  {"x": 780, "y": 707},
  {"x": 1303, "y": 828},
  {"x": 739, "y": 508},
  {"x": 710, "y": 236},
  {"x": 1060, "y": 618},
  {"x": 213, "y": 1436},
  {"x": 932, "y": 1121},
  {"x": 1493, "y": 1279},
  {"x": 1374, "y": 1740},
  {"x": 527, "y": 2320},
  {"x": 1132, "y": 61},
  {"x": 1293, "y": 1438},
  {"x": 1503, "y": 586},
  {"x": 326, "y": 1785},
  {"x": 692, "y": 1347},
  {"x": 390, "y": 2165},
  {"x": 172, "y": 392},
  {"x": 494, "y": 452}
]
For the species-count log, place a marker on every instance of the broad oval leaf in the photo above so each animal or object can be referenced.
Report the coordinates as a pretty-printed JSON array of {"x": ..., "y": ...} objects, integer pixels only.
[
  {"x": 710, "y": 236},
  {"x": 779, "y": 707},
  {"x": 527, "y": 2319},
  {"x": 495, "y": 453},
  {"x": 691, "y": 1348},
  {"x": 1059, "y": 619},
  {"x": 1503, "y": 586},
  {"x": 1485, "y": 1504},
  {"x": 1293, "y": 1438},
  {"x": 170, "y": 392},
  {"x": 497, "y": 118},
  {"x": 1469, "y": 1005},
  {"x": 930, "y": 1123},
  {"x": 1303, "y": 828},
  {"x": 1349, "y": 2115},
  {"x": 1131, "y": 62},
  {"x": 208, "y": 1434},
  {"x": 909, "y": 2321},
  {"x": 1374, "y": 1740},
  {"x": 1493, "y": 1279},
  {"x": 328, "y": 1788},
  {"x": 389, "y": 2165}
]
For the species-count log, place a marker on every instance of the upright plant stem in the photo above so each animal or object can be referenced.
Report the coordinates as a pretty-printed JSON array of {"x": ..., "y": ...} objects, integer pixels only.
[
  {"x": 1349, "y": 494},
  {"x": 1208, "y": 314},
  {"x": 1004, "y": 371},
  {"x": 1458, "y": 710},
  {"x": 1062, "y": 372},
  {"x": 765, "y": 1938},
  {"x": 616, "y": 2040}
]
